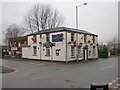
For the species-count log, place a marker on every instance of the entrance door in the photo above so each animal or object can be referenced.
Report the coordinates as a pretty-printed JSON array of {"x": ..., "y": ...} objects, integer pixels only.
[{"x": 85, "y": 54}]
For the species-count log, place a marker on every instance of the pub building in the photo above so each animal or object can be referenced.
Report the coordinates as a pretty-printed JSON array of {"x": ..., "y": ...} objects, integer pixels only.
[{"x": 61, "y": 44}]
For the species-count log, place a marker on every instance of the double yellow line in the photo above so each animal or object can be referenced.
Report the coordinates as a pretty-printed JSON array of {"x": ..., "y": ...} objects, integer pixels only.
[{"x": 15, "y": 70}]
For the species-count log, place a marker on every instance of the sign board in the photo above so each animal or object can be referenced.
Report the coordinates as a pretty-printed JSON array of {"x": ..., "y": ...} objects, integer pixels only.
[
  {"x": 57, "y": 38},
  {"x": 48, "y": 44}
]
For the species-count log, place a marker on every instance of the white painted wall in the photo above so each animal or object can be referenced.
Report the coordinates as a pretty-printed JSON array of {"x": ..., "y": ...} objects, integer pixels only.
[
  {"x": 41, "y": 52},
  {"x": 27, "y": 52}
]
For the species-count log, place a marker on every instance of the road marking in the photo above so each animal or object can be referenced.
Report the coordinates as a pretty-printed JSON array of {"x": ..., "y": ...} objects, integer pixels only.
[
  {"x": 118, "y": 85},
  {"x": 16, "y": 70},
  {"x": 36, "y": 63},
  {"x": 115, "y": 87},
  {"x": 113, "y": 82},
  {"x": 110, "y": 83},
  {"x": 104, "y": 68}
]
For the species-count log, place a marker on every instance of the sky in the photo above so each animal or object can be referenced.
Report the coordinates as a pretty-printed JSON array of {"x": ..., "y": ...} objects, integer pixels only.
[{"x": 98, "y": 16}]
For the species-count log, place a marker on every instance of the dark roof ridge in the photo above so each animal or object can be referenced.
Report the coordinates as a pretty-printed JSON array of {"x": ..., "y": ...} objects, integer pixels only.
[{"x": 62, "y": 29}]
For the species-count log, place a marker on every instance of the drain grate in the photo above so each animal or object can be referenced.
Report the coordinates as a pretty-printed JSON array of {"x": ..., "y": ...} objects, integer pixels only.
[{"x": 6, "y": 69}]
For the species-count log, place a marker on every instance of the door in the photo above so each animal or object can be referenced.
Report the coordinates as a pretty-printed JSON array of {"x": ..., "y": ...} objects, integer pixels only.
[{"x": 85, "y": 54}]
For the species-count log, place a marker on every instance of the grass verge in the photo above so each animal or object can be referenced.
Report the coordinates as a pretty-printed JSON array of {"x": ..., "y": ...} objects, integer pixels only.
[{"x": 114, "y": 55}]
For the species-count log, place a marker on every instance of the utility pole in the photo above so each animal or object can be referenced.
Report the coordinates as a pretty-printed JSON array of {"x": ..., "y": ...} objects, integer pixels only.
[{"x": 77, "y": 29}]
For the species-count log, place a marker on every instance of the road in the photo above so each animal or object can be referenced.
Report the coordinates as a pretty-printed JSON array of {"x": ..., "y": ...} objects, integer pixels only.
[{"x": 36, "y": 74}]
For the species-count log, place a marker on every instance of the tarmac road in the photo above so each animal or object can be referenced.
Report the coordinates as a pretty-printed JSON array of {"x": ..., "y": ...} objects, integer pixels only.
[{"x": 36, "y": 74}]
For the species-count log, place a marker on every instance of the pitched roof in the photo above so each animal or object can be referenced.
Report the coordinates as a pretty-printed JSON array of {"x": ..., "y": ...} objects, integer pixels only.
[{"x": 58, "y": 29}]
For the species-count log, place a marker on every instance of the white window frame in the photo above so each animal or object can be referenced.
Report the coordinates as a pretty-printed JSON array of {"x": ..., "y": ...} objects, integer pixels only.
[
  {"x": 72, "y": 37},
  {"x": 79, "y": 51},
  {"x": 34, "y": 50},
  {"x": 47, "y": 51},
  {"x": 35, "y": 36},
  {"x": 94, "y": 51},
  {"x": 48, "y": 36},
  {"x": 72, "y": 51}
]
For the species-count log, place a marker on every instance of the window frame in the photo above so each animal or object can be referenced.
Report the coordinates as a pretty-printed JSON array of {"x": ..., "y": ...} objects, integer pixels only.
[
  {"x": 72, "y": 51},
  {"x": 47, "y": 51},
  {"x": 79, "y": 51},
  {"x": 34, "y": 50},
  {"x": 72, "y": 37},
  {"x": 47, "y": 37},
  {"x": 85, "y": 38},
  {"x": 35, "y": 36},
  {"x": 94, "y": 50},
  {"x": 94, "y": 39}
]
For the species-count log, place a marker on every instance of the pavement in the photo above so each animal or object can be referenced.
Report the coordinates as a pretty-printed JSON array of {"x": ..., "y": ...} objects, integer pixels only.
[{"x": 37, "y": 74}]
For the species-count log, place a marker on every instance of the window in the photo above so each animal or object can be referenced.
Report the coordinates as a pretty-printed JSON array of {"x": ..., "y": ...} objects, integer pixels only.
[
  {"x": 47, "y": 51},
  {"x": 72, "y": 51},
  {"x": 34, "y": 38},
  {"x": 79, "y": 51},
  {"x": 47, "y": 37},
  {"x": 89, "y": 53},
  {"x": 25, "y": 42},
  {"x": 72, "y": 37},
  {"x": 34, "y": 51},
  {"x": 93, "y": 39},
  {"x": 93, "y": 50},
  {"x": 40, "y": 35},
  {"x": 85, "y": 38}
]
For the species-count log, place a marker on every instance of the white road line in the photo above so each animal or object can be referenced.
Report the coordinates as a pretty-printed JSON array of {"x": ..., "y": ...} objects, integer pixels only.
[
  {"x": 104, "y": 68},
  {"x": 115, "y": 87},
  {"x": 118, "y": 85},
  {"x": 110, "y": 83},
  {"x": 36, "y": 63},
  {"x": 114, "y": 81}
]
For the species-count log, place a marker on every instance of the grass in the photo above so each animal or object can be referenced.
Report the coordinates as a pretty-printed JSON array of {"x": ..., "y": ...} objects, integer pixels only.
[{"x": 114, "y": 55}]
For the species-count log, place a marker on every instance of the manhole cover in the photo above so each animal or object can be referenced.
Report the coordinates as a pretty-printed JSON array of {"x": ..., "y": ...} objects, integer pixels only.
[{"x": 6, "y": 69}]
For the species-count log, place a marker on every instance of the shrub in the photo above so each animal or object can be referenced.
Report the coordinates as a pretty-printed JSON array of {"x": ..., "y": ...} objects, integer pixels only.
[{"x": 103, "y": 52}]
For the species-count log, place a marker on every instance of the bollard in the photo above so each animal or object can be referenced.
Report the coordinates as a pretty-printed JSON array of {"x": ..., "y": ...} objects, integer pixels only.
[{"x": 99, "y": 86}]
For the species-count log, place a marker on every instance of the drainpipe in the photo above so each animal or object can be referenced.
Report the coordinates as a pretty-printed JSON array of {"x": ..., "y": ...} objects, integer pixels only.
[
  {"x": 66, "y": 48},
  {"x": 51, "y": 55},
  {"x": 40, "y": 51},
  {"x": 40, "y": 46}
]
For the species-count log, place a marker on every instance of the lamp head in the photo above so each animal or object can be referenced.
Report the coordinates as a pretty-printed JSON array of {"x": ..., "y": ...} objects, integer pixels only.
[{"x": 85, "y": 4}]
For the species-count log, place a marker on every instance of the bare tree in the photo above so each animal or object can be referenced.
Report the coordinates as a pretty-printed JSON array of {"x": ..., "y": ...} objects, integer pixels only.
[
  {"x": 28, "y": 22},
  {"x": 42, "y": 17},
  {"x": 113, "y": 44},
  {"x": 13, "y": 31}
]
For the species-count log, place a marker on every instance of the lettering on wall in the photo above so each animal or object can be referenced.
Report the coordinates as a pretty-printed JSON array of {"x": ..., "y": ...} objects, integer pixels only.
[{"x": 57, "y": 38}]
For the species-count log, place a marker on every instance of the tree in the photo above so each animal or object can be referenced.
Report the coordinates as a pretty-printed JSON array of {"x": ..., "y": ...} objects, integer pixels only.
[
  {"x": 103, "y": 52},
  {"x": 42, "y": 17},
  {"x": 13, "y": 31},
  {"x": 112, "y": 45}
]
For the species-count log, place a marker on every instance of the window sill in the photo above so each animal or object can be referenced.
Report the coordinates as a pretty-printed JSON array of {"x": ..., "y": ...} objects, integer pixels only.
[
  {"x": 79, "y": 56},
  {"x": 47, "y": 55},
  {"x": 34, "y": 55},
  {"x": 73, "y": 57}
]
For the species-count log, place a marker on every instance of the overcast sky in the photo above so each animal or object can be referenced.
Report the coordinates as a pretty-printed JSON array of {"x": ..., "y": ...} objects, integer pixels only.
[{"x": 100, "y": 18}]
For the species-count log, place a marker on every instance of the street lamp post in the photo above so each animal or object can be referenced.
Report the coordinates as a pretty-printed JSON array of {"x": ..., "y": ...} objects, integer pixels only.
[{"x": 77, "y": 29}]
